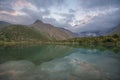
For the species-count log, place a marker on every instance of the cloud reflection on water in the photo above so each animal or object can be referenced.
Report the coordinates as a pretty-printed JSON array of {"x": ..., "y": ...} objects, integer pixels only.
[{"x": 82, "y": 64}]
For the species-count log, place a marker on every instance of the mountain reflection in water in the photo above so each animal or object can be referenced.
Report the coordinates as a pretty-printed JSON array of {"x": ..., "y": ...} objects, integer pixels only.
[{"x": 58, "y": 63}]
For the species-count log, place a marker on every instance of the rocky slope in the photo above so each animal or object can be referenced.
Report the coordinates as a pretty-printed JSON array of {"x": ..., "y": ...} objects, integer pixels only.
[
  {"x": 51, "y": 32},
  {"x": 37, "y": 31}
]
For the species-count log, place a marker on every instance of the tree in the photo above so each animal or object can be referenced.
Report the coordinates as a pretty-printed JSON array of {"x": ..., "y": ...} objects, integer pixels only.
[{"x": 115, "y": 36}]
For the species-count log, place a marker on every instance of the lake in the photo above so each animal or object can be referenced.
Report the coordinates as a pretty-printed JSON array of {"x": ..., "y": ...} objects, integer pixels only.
[{"x": 59, "y": 62}]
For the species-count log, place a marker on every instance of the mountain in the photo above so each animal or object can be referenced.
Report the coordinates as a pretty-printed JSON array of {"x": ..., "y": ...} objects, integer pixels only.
[
  {"x": 89, "y": 33},
  {"x": 37, "y": 31},
  {"x": 95, "y": 33},
  {"x": 3, "y": 23},
  {"x": 109, "y": 31},
  {"x": 52, "y": 32},
  {"x": 116, "y": 30},
  {"x": 19, "y": 33}
]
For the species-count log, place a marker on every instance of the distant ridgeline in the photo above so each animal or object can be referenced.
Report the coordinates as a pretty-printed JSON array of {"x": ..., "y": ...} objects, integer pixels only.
[
  {"x": 39, "y": 32},
  {"x": 111, "y": 40}
]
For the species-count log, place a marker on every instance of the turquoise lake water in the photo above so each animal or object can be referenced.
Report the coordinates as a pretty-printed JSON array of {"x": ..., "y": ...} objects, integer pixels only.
[{"x": 57, "y": 62}]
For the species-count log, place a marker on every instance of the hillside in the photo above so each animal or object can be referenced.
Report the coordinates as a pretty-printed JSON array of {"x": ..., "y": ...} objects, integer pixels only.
[
  {"x": 19, "y": 33},
  {"x": 116, "y": 30},
  {"x": 51, "y": 32},
  {"x": 3, "y": 23},
  {"x": 37, "y": 31}
]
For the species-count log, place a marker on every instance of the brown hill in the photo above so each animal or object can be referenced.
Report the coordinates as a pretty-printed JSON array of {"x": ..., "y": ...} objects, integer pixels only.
[{"x": 51, "y": 32}]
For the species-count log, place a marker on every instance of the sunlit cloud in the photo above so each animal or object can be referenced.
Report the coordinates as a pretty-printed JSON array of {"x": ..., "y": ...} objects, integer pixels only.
[
  {"x": 15, "y": 13},
  {"x": 85, "y": 18},
  {"x": 20, "y": 4}
]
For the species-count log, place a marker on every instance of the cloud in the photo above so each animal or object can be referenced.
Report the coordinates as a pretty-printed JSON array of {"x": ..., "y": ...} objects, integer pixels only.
[
  {"x": 14, "y": 19},
  {"x": 6, "y": 5},
  {"x": 88, "y": 17},
  {"x": 98, "y": 3},
  {"x": 47, "y": 3},
  {"x": 71, "y": 11},
  {"x": 77, "y": 15},
  {"x": 101, "y": 22}
]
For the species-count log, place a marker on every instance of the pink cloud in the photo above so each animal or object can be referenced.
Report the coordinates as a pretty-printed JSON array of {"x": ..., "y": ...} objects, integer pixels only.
[
  {"x": 15, "y": 13},
  {"x": 20, "y": 4}
]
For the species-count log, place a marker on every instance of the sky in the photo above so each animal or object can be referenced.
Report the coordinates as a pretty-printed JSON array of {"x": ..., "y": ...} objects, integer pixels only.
[{"x": 74, "y": 15}]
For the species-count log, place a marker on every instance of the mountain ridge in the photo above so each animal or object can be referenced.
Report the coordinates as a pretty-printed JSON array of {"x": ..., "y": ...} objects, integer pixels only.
[
  {"x": 51, "y": 31},
  {"x": 36, "y": 31},
  {"x": 19, "y": 33}
]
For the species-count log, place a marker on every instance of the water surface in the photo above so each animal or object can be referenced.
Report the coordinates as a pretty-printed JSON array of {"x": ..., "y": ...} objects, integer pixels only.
[{"x": 55, "y": 62}]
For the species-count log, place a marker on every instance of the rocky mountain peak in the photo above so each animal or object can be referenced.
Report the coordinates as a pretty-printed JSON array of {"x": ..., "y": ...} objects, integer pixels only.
[{"x": 38, "y": 21}]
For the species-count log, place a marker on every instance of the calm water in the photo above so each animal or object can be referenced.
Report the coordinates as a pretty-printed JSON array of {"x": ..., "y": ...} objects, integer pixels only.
[{"x": 58, "y": 63}]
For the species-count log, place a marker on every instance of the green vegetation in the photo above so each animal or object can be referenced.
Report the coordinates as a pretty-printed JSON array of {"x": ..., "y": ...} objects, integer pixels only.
[
  {"x": 41, "y": 33},
  {"x": 16, "y": 35},
  {"x": 112, "y": 40},
  {"x": 19, "y": 33},
  {"x": 32, "y": 34}
]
